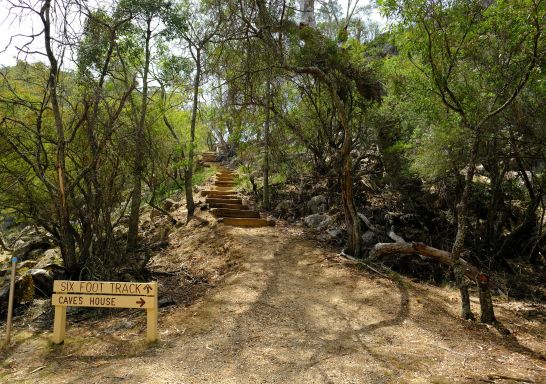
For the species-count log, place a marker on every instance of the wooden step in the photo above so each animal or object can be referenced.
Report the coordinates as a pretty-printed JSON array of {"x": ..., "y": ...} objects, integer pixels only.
[
  {"x": 219, "y": 183},
  {"x": 215, "y": 192},
  {"x": 247, "y": 222},
  {"x": 224, "y": 212},
  {"x": 223, "y": 201},
  {"x": 226, "y": 177},
  {"x": 223, "y": 188},
  {"x": 228, "y": 206}
]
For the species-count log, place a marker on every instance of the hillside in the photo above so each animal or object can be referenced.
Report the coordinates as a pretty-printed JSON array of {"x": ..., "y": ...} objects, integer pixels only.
[{"x": 271, "y": 305}]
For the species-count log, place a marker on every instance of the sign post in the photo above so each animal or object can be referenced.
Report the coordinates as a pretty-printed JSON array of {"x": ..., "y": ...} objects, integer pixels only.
[
  {"x": 104, "y": 294},
  {"x": 10, "y": 300}
]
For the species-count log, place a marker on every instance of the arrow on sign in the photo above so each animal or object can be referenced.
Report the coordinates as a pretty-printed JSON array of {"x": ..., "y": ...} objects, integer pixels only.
[
  {"x": 141, "y": 302},
  {"x": 148, "y": 288}
]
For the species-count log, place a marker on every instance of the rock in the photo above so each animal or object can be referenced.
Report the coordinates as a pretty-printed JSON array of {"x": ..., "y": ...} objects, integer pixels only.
[
  {"x": 318, "y": 204},
  {"x": 7, "y": 222},
  {"x": 29, "y": 230},
  {"x": 165, "y": 302},
  {"x": 170, "y": 204},
  {"x": 24, "y": 292},
  {"x": 51, "y": 256},
  {"x": 43, "y": 281},
  {"x": 335, "y": 234},
  {"x": 22, "y": 251},
  {"x": 155, "y": 213},
  {"x": 18, "y": 244},
  {"x": 317, "y": 220},
  {"x": 121, "y": 325},
  {"x": 369, "y": 237},
  {"x": 26, "y": 264},
  {"x": 161, "y": 233},
  {"x": 283, "y": 208}
]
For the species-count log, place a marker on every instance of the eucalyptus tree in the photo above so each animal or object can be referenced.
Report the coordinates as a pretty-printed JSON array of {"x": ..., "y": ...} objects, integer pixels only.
[
  {"x": 148, "y": 17},
  {"x": 477, "y": 58},
  {"x": 203, "y": 25},
  {"x": 340, "y": 68},
  {"x": 58, "y": 126}
]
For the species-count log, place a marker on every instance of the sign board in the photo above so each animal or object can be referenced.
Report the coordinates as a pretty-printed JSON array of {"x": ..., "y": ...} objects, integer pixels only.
[
  {"x": 103, "y": 294},
  {"x": 103, "y": 301},
  {"x": 104, "y": 287}
]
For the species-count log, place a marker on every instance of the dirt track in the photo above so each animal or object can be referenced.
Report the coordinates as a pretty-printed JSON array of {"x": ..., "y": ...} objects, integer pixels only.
[{"x": 290, "y": 313}]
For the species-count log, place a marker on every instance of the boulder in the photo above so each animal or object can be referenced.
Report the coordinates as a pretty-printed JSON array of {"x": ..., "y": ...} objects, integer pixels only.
[
  {"x": 334, "y": 235},
  {"x": 26, "y": 264},
  {"x": 170, "y": 204},
  {"x": 24, "y": 292},
  {"x": 155, "y": 214},
  {"x": 317, "y": 220},
  {"x": 7, "y": 222},
  {"x": 369, "y": 237},
  {"x": 283, "y": 208},
  {"x": 318, "y": 204},
  {"x": 43, "y": 281},
  {"x": 51, "y": 256},
  {"x": 21, "y": 251}
]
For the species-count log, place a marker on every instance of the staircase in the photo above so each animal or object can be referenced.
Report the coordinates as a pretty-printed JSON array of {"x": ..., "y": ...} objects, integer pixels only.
[{"x": 224, "y": 202}]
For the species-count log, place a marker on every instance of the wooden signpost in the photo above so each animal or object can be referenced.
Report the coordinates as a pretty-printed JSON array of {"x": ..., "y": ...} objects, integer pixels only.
[
  {"x": 104, "y": 294},
  {"x": 10, "y": 300}
]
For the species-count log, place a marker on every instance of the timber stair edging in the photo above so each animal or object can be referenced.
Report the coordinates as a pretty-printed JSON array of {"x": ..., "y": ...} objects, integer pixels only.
[{"x": 225, "y": 203}]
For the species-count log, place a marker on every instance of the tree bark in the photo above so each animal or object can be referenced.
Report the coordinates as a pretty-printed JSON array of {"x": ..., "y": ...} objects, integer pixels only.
[
  {"x": 66, "y": 238},
  {"x": 265, "y": 197},
  {"x": 486, "y": 304},
  {"x": 136, "y": 195},
  {"x": 462, "y": 217},
  {"x": 444, "y": 257},
  {"x": 188, "y": 173}
]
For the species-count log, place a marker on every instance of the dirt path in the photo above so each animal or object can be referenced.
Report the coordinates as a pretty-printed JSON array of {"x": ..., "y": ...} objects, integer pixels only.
[{"x": 288, "y": 313}]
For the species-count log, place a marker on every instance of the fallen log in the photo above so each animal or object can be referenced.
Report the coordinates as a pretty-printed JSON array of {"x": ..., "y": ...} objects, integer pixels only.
[{"x": 444, "y": 257}]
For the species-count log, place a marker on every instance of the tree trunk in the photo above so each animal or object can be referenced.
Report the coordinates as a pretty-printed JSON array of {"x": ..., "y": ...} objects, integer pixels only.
[
  {"x": 486, "y": 304},
  {"x": 66, "y": 237},
  {"x": 444, "y": 257},
  {"x": 351, "y": 218},
  {"x": 188, "y": 174},
  {"x": 307, "y": 9},
  {"x": 265, "y": 200},
  {"x": 136, "y": 195},
  {"x": 459, "y": 243},
  {"x": 352, "y": 221}
]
